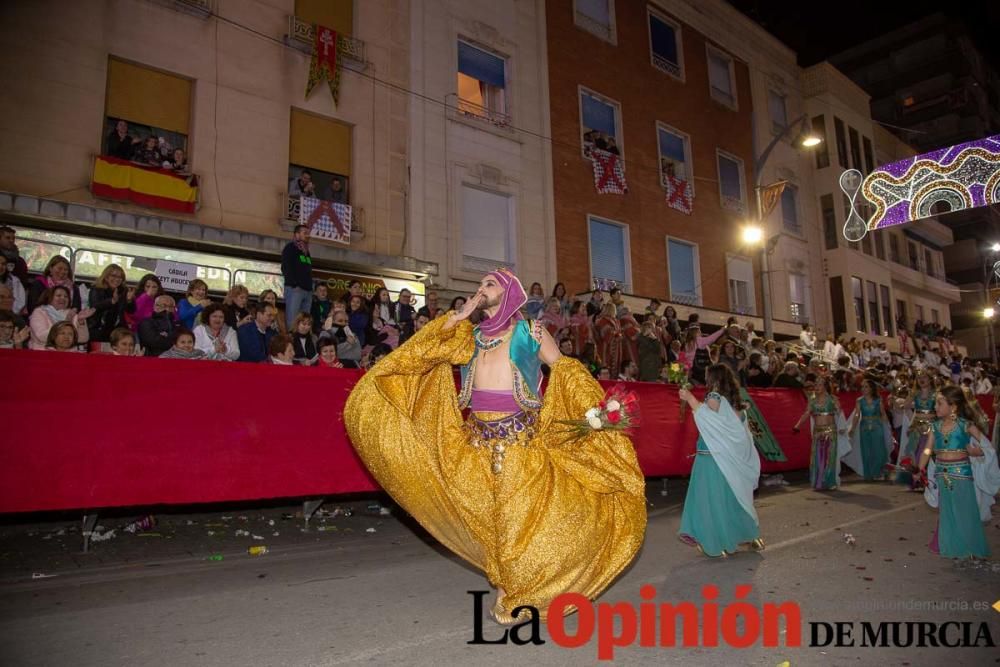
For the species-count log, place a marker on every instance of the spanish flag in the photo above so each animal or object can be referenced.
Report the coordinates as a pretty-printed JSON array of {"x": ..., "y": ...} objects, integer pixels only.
[{"x": 147, "y": 186}]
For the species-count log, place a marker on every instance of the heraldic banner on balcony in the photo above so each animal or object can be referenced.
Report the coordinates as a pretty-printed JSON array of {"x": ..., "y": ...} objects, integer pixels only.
[
  {"x": 147, "y": 186},
  {"x": 326, "y": 220}
]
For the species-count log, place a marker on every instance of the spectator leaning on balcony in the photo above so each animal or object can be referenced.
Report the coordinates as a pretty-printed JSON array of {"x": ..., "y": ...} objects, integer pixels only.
[
  {"x": 193, "y": 303},
  {"x": 108, "y": 297},
  {"x": 57, "y": 272},
  {"x": 13, "y": 283},
  {"x": 178, "y": 162},
  {"x": 302, "y": 186},
  {"x": 120, "y": 143},
  {"x": 254, "y": 337},
  {"x": 157, "y": 331},
  {"x": 335, "y": 192},
  {"x": 214, "y": 336},
  {"x": 54, "y": 307},
  {"x": 147, "y": 153},
  {"x": 296, "y": 267},
  {"x": 280, "y": 351}
]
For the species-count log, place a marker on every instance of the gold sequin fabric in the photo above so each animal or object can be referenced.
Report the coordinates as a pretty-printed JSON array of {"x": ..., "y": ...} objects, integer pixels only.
[{"x": 561, "y": 514}]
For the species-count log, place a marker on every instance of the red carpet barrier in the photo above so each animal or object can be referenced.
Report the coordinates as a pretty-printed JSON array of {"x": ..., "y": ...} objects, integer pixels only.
[{"x": 91, "y": 431}]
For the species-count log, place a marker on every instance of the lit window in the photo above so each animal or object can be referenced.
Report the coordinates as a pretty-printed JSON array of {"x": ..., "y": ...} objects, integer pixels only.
[{"x": 481, "y": 84}]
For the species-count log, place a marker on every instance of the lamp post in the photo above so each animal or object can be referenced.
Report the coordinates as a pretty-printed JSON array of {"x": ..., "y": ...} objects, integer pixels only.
[{"x": 807, "y": 140}]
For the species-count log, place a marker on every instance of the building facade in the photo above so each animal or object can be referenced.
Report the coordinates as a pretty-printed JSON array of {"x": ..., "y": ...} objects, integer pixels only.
[
  {"x": 892, "y": 278},
  {"x": 480, "y": 191},
  {"x": 225, "y": 83}
]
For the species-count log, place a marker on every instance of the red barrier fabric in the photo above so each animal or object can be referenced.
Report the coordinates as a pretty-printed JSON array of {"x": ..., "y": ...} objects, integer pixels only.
[{"x": 89, "y": 431}]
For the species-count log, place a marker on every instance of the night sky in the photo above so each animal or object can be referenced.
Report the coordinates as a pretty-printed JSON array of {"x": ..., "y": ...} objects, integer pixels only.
[{"x": 816, "y": 29}]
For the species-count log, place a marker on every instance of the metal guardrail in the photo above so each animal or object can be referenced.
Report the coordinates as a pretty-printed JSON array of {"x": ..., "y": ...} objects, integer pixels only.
[
  {"x": 302, "y": 34},
  {"x": 484, "y": 114}
]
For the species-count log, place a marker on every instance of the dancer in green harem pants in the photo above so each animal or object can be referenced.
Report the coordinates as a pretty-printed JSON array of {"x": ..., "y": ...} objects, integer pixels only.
[
  {"x": 829, "y": 441},
  {"x": 870, "y": 433},
  {"x": 962, "y": 477},
  {"x": 918, "y": 413},
  {"x": 719, "y": 514}
]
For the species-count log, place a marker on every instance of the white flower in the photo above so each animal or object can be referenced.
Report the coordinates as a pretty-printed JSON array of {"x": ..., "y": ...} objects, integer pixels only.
[
  {"x": 614, "y": 406},
  {"x": 595, "y": 423},
  {"x": 592, "y": 413}
]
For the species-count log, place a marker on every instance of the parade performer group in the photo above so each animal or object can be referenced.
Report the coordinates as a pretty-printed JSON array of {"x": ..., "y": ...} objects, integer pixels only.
[{"x": 539, "y": 513}]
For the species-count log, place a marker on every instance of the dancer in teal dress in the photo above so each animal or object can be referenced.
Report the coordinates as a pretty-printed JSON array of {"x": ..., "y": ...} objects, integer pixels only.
[
  {"x": 829, "y": 442},
  {"x": 872, "y": 441},
  {"x": 949, "y": 455},
  {"x": 719, "y": 514}
]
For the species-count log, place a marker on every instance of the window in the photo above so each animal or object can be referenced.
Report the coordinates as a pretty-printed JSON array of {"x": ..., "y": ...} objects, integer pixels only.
[
  {"x": 900, "y": 314},
  {"x": 920, "y": 313},
  {"x": 665, "y": 45},
  {"x": 822, "y": 151},
  {"x": 929, "y": 268},
  {"x": 777, "y": 111},
  {"x": 829, "y": 221},
  {"x": 879, "y": 244},
  {"x": 857, "y": 290},
  {"x": 599, "y": 123},
  {"x": 675, "y": 154},
  {"x": 741, "y": 286},
  {"x": 320, "y": 147},
  {"x": 721, "y": 77},
  {"x": 838, "y": 127},
  {"x": 886, "y": 310},
  {"x": 935, "y": 318},
  {"x": 914, "y": 257},
  {"x": 866, "y": 244},
  {"x": 797, "y": 301},
  {"x": 142, "y": 105},
  {"x": 869, "y": 159},
  {"x": 894, "y": 248},
  {"x": 855, "y": 150},
  {"x": 609, "y": 249},
  {"x": 682, "y": 264},
  {"x": 334, "y": 14},
  {"x": 596, "y": 17},
  {"x": 789, "y": 209},
  {"x": 873, "y": 314},
  {"x": 487, "y": 234},
  {"x": 730, "y": 181},
  {"x": 482, "y": 78}
]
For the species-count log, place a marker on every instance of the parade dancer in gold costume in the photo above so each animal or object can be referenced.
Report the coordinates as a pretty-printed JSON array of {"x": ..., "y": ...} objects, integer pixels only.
[{"x": 509, "y": 490}]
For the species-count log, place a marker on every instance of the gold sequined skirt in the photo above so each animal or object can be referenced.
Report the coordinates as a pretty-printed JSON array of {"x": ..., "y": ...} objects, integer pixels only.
[{"x": 554, "y": 516}]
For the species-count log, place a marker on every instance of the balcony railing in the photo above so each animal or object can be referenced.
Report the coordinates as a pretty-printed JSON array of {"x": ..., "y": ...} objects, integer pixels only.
[
  {"x": 301, "y": 35},
  {"x": 202, "y": 8},
  {"x": 482, "y": 114},
  {"x": 602, "y": 30}
]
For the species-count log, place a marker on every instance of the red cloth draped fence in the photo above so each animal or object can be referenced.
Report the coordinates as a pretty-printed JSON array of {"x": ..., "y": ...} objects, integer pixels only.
[{"x": 92, "y": 431}]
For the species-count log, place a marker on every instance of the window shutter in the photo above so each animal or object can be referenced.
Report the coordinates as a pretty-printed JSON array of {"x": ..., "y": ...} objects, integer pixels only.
[
  {"x": 480, "y": 65},
  {"x": 149, "y": 97},
  {"x": 607, "y": 251}
]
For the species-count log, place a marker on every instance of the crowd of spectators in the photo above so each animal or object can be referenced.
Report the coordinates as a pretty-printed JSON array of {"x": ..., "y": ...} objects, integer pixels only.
[
  {"x": 352, "y": 330},
  {"x": 149, "y": 151}
]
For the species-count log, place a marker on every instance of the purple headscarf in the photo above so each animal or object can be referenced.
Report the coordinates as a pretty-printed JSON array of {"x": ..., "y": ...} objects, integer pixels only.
[{"x": 510, "y": 304}]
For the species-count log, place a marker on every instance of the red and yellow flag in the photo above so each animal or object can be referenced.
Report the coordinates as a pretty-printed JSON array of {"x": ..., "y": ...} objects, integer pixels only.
[{"x": 147, "y": 186}]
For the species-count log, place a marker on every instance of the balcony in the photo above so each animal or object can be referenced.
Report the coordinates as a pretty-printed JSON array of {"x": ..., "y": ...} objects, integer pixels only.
[
  {"x": 293, "y": 206},
  {"x": 595, "y": 27},
  {"x": 144, "y": 185},
  {"x": 460, "y": 109},
  {"x": 199, "y": 8},
  {"x": 302, "y": 34}
]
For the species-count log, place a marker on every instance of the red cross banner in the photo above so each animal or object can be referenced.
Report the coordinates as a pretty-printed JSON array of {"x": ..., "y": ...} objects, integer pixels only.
[
  {"x": 609, "y": 172},
  {"x": 679, "y": 195},
  {"x": 326, "y": 220},
  {"x": 324, "y": 63}
]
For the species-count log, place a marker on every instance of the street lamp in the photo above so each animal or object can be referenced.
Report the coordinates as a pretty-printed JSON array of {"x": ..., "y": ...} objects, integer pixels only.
[
  {"x": 806, "y": 139},
  {"x": 987, "y": 313},
  {"x": 752, "y": 235}
]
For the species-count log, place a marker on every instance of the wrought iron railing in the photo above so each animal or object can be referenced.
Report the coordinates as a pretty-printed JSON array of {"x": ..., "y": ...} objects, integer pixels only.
[
  {"x": 604, "y": 31},
  {"x": 662, "y": 63},
  {"x": 484, "y": 114}
]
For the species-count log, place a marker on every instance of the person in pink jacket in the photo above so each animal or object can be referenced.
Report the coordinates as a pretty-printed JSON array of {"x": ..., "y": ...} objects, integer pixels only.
[
  {"x": 54, "y": 307},
  {"x": 149, "y": 288}
]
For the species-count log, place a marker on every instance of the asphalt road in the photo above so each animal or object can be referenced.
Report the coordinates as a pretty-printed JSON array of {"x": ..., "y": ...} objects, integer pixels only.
[{"x": 349, "y": 596}]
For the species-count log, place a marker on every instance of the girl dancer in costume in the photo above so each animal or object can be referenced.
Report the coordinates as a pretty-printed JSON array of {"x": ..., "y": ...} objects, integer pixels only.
[
  {"x": 506, "y": 490},
  {"x": 962, "y": 477},
  {"x": 872, "y": 442},
  {"x": 918, "y": 413},
  {"x": 828, "y": 443},
  {"x": 718, "y": 510}
]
